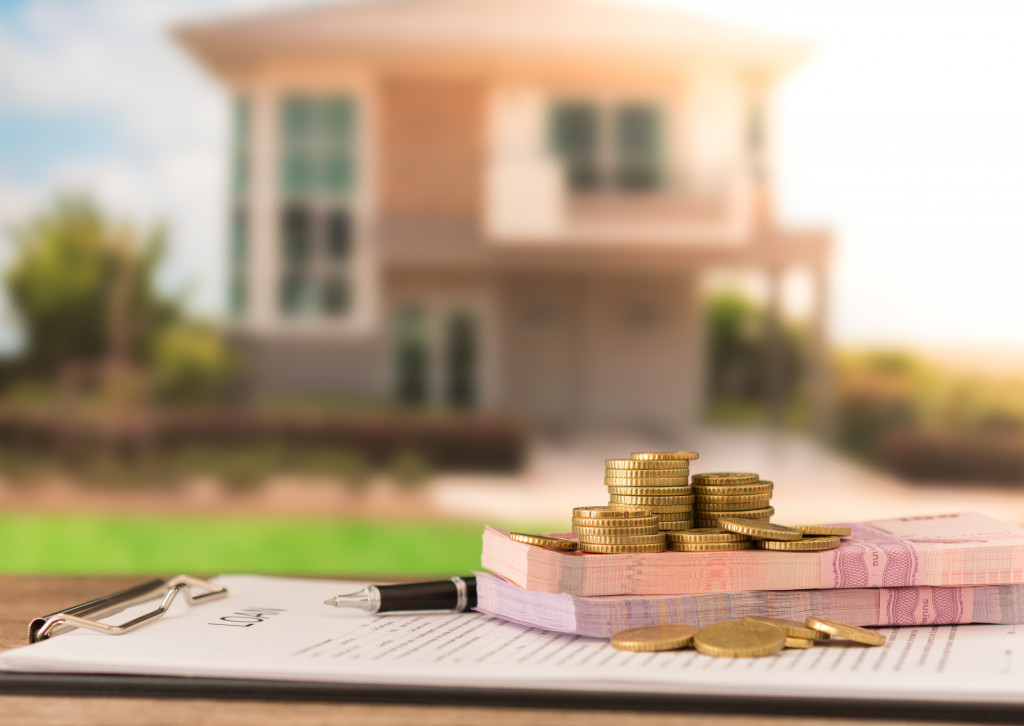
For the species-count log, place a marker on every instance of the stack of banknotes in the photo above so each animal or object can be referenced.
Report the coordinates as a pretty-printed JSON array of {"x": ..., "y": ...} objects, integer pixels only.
[{"x": 959, "y": 568}]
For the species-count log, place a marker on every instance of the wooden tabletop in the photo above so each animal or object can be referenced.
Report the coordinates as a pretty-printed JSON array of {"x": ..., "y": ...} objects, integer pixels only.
[{"x": 23, "y": 598}]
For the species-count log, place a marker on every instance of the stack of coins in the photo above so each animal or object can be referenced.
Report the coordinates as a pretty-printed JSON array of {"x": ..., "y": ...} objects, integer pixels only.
[
  {"x": 658, "y": 481},
  {"x": 731, "y": 494},
  {"x": 614, "y": 530}
]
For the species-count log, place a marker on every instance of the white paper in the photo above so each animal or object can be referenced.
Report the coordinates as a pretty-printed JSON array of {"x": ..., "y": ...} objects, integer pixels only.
[{"x": 279, "y": 629}]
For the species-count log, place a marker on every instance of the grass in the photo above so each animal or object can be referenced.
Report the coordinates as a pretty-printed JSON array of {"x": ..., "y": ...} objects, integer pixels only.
[{"x": 168, "y": 545}]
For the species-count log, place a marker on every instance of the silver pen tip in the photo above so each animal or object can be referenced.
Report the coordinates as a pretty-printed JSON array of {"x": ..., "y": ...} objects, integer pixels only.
[{"x": 333, "y": 601}]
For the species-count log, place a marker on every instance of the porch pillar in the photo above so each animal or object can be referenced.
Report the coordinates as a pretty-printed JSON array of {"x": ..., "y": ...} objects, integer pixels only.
[
  {"x": 774, "y": 363},
  {"x": 820, "y": 364}
]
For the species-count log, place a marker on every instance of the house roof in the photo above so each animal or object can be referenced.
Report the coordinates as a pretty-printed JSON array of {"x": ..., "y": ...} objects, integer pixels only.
[{"x": 601, "y": 32}]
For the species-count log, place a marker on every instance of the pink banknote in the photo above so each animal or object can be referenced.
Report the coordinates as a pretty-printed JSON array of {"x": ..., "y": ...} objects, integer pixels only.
[
  {"x": 601, "y": 617},
  {"x": 945, "y": 550}
]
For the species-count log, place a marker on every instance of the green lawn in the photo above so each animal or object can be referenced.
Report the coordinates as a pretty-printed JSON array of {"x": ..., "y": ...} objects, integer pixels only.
[{"x": 123, "y": 544}]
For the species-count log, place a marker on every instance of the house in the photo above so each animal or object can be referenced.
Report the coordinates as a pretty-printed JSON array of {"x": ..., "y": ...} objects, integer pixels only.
[{"x": 499, "y": 204}]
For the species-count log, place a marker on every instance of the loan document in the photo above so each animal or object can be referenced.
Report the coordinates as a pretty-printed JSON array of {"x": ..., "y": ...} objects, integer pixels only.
[{"x": 279, "y": 629}]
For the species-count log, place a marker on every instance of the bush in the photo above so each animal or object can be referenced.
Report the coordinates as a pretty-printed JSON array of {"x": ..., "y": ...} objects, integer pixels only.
[{"x": 191, "y": 363}]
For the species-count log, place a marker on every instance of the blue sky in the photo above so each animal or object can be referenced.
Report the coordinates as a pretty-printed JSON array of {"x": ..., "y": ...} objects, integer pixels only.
[{"x": 903, "y": 133}]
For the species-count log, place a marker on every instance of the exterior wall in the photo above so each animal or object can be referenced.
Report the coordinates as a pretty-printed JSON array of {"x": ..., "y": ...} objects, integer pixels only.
[
  {"x": 604, "y": 351},
  {"x": 431, "y": 160}
]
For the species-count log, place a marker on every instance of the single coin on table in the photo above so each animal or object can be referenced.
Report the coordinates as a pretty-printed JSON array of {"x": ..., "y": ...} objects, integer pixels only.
[
  {"x": 603, "y": 511},
  {"x": 638, "y": 465},
  {"x": 792, "y": 642},
  {"x": 846, "y": 631},
  {"x": 725, "y": 477},
  {"x": 706, "y": 534},
  {"x": 677, "y": 546},
  {"x": 759, "y": 530},
  {"x": 739, "y": 639},
  {"x": 807, "y": 544},
  {"x": 793, "y": 628},
  {"x": 540, "y": 540},
  {"x": 824, "y": 529},
  {"x": 655, "y": 637},
  {"x": 664, "y": 455}
]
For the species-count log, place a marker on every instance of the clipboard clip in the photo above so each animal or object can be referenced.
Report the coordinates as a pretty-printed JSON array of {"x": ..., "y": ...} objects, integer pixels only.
[{"x": 87, "y": 614}]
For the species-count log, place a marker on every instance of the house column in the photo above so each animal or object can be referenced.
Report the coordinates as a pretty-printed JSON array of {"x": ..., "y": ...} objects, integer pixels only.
[
  {"x": 262, "y": 282},
  {"x": 694, "y": 371},
  {"x": 774, "y": 363},
  {"x": 820, "y": 365}
]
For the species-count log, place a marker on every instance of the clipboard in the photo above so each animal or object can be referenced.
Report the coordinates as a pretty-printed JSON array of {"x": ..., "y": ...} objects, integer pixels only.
[{"x": 196, "y": 591}]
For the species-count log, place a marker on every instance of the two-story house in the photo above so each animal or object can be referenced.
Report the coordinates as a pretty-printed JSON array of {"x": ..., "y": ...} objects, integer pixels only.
[{"x": 497, "y": 204}]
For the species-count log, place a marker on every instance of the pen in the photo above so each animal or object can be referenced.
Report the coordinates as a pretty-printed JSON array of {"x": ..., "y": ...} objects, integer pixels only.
[{"x": 455, "y": 595}]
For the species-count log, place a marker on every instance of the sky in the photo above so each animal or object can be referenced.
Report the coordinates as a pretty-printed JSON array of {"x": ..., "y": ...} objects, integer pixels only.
[{"x": 904, "y": 133}]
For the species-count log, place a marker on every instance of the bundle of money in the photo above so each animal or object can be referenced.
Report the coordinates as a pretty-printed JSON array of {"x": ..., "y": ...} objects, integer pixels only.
[
  {"x": 731, "y": 494},
  {"x": 616, "y": 530},
  {"x": 656, "y": 480},
  {"x": 602, "y": 617}
]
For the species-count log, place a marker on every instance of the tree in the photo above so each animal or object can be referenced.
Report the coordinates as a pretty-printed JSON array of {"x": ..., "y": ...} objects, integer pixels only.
[{"x": 83, "y": 289}]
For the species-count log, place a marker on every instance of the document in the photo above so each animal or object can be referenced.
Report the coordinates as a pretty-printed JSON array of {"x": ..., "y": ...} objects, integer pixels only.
[{"x": 279, "y": 629}]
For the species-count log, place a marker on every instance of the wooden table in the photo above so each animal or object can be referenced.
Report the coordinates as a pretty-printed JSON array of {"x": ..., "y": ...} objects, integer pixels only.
[{"x": 22, "y": 598}]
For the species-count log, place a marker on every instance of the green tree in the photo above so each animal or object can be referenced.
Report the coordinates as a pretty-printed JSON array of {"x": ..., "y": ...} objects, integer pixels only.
[{"x": 83, "y": 288}]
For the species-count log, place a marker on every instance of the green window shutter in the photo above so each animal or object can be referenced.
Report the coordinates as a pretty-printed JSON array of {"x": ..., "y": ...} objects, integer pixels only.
[
  {"x": 573, "y": 134},
  {"x": 638, "y": 147}
]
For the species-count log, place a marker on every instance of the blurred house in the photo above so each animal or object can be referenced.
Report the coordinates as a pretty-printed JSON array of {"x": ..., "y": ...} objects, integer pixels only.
[{"x": 498, "y": 204}]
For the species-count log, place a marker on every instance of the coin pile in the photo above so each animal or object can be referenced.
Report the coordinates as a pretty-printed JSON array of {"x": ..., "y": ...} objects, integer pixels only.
[
  {"x": 748, "y": 638},
  {"x": 731, "y": 494},
  {"x": 617, "y": 529},
  {"x": 658, "y": 481}
]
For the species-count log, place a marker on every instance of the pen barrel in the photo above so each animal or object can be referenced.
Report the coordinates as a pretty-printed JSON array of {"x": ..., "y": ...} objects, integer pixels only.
[{"x": 442, "y": 595}]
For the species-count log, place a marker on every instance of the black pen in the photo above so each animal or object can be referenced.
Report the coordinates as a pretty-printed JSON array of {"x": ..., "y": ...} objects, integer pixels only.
[{"x": 456, "y": 595}]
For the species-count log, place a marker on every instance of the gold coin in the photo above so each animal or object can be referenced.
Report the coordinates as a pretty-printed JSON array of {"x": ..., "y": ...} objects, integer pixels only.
[
  {"x": 793, "y": 628},
  {"x": 807, "y": 544},
  {"x": 792, "y": 642},
  {"x": 708, "y": 546},
  {"x": 664, "y": 456},
  {"x": 657, "y": 509},
  {"x": 622, "y": 539},
  {"x": 714, "y": 499},
  {"x": 635, "y": 465},
  {"x": 540, "y": 540},
  {"x": 580, "y": 531},
  {"x": 648, "y": 491},
  {"x": 739, "y": 639},
  {"x": 655, "y": 637},
  {"x": 764, "y": 514},
  {"x": 659, "y": 475},
  {"x": 621, "y": 549},
  {"x": 706, "y": 534},
  {"x": 610, "y": 512},
  {"x": 645, "y": 499},
  {"x": 710, "y": 519},
  {"x": 675, "y": 525},
  {"x": 823, "y": 529},
  {"x": 849, "y": 632},
  {"x": 719, "y": 478},
  {"x": 738, "y": 506},
  {"x": 759, "y": 530},
  {"x": 762, "y": 487},
  {"x": 610, "y": 522}
]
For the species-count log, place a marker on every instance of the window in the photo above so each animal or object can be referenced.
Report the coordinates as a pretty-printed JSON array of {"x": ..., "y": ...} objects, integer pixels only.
[
  {"x": 616, "y": 146},
  {"x": 461, "y": 361},
  {"x": 412, "y": 356},
  {"x": 239, "y": 222},
  {"x": 317, "y": 178}
]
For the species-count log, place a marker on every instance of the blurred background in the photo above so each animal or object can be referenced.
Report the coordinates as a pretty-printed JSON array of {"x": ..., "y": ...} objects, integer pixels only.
[{"x": 322, "y": 288}]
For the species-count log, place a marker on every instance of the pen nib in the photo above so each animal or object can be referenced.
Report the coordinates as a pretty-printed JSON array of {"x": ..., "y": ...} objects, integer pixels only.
[{"x": 363, "y": 600}]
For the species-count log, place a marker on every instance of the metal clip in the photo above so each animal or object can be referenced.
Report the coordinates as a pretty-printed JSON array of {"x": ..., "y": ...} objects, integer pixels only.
[{"x": 75, "y": 617}]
